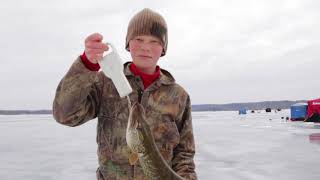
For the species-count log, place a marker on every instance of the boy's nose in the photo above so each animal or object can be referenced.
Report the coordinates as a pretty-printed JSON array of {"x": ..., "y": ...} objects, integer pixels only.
[{"x": 145, "y": 46}]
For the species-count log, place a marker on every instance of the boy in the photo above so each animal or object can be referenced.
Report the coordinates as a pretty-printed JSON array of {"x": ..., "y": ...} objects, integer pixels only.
[{"x": 84, "y": 94}]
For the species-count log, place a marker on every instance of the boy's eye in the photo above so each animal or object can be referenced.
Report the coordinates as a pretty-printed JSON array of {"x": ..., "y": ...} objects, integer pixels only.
[
  {"x": 139, "y": 39},
  {"x": 155, "y": 42}
]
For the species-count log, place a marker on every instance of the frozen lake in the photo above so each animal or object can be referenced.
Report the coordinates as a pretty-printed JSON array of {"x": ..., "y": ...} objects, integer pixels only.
[{"x": 259, "y": 146}]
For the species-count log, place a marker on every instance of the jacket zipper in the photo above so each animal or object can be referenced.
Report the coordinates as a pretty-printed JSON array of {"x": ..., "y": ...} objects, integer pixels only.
[
  {"x": 133, "y": 172},
  {"x": 140, "y": 93}
]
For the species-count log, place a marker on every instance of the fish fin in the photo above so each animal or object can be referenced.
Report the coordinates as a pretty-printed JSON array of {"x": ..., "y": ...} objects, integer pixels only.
[{"x": 133, "y": 158}]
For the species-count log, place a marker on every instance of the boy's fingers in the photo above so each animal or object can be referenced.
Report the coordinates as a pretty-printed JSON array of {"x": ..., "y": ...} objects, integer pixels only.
[
  {"x": 95, "y": 51},
  {"x": 97, "y": 57},
  {"x": 96, "y": 45},
  {"x": 94, "y": 37}
]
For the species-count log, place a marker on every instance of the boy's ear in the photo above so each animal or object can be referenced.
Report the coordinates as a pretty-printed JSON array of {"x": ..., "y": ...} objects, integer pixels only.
[
  {"x": 128, "y": 46},
  {"x": 163, "y": 52}
]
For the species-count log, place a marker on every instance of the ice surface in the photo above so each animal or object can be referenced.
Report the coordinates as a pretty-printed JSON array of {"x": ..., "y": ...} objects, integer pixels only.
[{"x": 259, "y": 146}]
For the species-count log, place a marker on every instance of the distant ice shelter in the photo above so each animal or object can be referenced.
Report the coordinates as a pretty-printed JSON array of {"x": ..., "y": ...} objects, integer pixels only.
[
  {"x": 242, "y": 111},
  {"x": 313, "y": 111},
  {"x": 298, "y": 111}
]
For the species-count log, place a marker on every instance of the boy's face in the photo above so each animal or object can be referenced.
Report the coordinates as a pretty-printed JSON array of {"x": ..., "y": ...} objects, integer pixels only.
[{"x": 145, "y": 51}]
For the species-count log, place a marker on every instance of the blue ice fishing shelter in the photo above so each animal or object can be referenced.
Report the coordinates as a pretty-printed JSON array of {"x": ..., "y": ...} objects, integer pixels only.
[
  {"x": 243, "y": 111},
  {"x": 298, "y": 111}
]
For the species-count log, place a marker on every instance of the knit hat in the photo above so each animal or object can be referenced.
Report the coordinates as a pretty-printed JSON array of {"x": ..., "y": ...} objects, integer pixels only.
[{"x": 148, "y": 22}]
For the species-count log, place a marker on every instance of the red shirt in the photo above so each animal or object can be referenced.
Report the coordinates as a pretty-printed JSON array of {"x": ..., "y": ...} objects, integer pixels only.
[
  {"x": 147, "y": 79},
  {"x": 88, "y": 64}
]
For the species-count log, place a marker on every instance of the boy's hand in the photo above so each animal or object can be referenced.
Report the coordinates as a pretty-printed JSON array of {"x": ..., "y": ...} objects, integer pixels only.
[{"x": 94, "y": 48}]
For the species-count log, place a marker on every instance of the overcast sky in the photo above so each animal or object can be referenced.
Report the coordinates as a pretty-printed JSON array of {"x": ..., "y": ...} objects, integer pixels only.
[{"x": 220, "y": 51}]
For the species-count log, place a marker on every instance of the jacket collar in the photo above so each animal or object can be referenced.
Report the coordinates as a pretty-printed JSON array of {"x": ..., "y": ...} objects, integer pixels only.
[{"x": 165, "y": 77}]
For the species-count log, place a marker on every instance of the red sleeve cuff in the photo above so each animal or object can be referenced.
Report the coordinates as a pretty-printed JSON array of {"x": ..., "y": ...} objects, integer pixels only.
[{"x": 91, "y": 66}]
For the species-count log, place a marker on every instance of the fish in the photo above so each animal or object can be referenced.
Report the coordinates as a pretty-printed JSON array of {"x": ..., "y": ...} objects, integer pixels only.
[{"x": 143, "y": 147}]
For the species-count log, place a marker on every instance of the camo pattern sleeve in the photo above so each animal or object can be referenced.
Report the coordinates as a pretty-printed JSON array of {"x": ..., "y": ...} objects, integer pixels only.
[
  {"x": 183, "y": 162},
  {"x": 77, "y": 96}
]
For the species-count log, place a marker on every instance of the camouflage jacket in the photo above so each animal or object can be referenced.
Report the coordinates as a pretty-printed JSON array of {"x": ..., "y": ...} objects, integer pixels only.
[{"x": 83, "y": 95}]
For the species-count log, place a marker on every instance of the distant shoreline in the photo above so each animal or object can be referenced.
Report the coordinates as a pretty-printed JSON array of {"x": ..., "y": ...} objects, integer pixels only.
[
  {"x": 24, "y": 112},
  {"x": 197, "y": 107},
  {"x": 249, "y": 106}
]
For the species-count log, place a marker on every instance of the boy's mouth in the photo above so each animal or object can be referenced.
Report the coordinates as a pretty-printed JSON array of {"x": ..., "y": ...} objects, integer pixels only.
[{"x": 144, "y": 56}]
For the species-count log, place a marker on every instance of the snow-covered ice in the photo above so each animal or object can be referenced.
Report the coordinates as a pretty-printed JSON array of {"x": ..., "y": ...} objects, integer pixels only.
[{"x": 258, "y": 146}]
